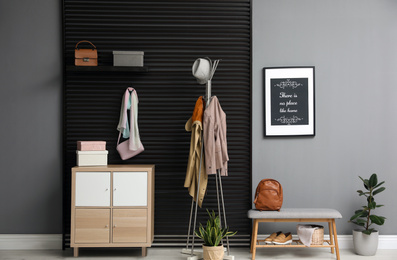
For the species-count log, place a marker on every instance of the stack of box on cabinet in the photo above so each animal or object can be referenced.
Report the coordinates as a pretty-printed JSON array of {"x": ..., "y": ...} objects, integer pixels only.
[{"x": 91, "y": 153}]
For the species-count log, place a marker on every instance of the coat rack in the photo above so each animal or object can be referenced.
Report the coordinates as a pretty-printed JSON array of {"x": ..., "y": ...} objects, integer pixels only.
[{"x": 194, "y": 254}]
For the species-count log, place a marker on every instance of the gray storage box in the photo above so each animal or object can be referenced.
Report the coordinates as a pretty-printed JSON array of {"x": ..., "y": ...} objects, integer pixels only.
[{"x": 128, "y": 58}]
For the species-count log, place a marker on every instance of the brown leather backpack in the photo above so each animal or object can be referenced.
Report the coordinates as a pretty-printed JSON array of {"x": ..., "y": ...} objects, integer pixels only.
[{"x": 269, "y": 195}]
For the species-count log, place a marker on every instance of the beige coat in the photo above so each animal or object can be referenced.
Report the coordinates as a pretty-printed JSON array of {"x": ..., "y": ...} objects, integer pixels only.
[
  {"x": 215, "y": 143},
  {"x": 194, "y": 124}
]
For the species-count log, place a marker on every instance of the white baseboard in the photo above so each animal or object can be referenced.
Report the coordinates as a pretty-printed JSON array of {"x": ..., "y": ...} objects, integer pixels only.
[
  {"x": 387, "y": 242},
  {"x": 346, "y": 241},
  {"x": 54, "y": 241},
  {"x": 30, "y": 241}
]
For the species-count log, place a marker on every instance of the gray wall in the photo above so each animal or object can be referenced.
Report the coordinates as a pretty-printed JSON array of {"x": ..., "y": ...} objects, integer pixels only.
[
  {"x": 31, "y": 117},
  {"x": 352, "y": 45}
]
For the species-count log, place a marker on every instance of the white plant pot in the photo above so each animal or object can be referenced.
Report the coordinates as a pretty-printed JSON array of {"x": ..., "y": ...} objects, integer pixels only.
[{"x": 365, "y": 244}]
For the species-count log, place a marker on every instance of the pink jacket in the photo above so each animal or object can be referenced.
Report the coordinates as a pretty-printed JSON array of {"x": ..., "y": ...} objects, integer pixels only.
[{"x": 215, "y": 143}]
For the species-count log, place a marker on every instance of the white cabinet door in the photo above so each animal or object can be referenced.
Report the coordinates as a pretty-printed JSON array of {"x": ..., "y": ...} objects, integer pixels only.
[
  {"x": 130, "y": 188},
  {"x": 92, "y": 189}
]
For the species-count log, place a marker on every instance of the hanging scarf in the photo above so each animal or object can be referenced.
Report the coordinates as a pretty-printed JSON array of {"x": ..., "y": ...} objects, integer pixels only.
[{"x": 130, "y": 102}]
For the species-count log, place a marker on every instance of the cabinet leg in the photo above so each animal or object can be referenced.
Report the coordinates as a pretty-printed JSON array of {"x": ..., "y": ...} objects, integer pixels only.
[
  {"x": 144, "y": 251},
  {"x": 75, "y": 251}
]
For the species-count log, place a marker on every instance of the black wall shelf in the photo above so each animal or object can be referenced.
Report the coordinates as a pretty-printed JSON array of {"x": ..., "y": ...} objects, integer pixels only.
[{"x": 106, "y": 68}]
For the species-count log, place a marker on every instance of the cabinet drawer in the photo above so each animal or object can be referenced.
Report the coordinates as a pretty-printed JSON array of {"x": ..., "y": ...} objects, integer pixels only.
[
  {"x": 129, "y": 225},
  {"x": 92, "y": 226},
  {"x": 92, "y": 189},
  {"x": 130, "y": 188}
]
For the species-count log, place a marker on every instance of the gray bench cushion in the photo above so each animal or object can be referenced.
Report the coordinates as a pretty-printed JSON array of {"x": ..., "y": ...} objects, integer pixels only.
[{"x": 295, "y": 213}]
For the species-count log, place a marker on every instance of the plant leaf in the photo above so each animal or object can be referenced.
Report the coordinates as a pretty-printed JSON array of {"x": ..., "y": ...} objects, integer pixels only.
[
  {"x": 360, "y": 193},
  {"x": 360, "y": 220},
  {"x": 359, "y": 224},
  {"x": 378, "y": 191},
  {"x": 365, "y": 182},
  {"x": 373, "y": 180},
  {"x": 368, "y": 232},
  {"x": 379, "y": 184},
  {"x": 372, "y": 205},
  {"x": 378, "y": 220},
  {"x": 378, "y": 206},
  {"x": 365, "y": 214},
  {"x": 357, "y": 215},
  {"x": 212, "y": 234}
]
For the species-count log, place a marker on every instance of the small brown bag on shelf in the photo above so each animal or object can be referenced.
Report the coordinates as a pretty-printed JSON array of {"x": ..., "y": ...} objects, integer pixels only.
[
  {"x": 85, "y": 57},
  {"x": 269, "y": 195}
]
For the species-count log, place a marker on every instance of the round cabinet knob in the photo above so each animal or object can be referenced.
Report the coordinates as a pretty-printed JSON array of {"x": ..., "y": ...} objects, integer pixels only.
[
  {"x": 106, "y": 189},
  {"x": 114, "y": 188},
  {"x": 106, "y": 226},
  {"x": 114, "y": 226}
]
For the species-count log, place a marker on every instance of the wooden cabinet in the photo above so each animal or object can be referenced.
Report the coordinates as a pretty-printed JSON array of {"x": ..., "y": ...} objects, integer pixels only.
[
  {"x": 92, "y": 226},
  {"x": 112, "y": 206},
  {"x": 130, "y": 188},
  {"x": 127, "y": 222},
  {"x": 92, "y": 189}
]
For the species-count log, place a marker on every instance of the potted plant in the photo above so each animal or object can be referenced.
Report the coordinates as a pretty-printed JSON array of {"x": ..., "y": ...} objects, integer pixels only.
[
  {"x": 212, "y": 236},
  {"x": 366, "y": 240}
]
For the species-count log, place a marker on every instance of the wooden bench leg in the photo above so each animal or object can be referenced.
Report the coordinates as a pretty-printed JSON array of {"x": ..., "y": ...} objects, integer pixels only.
[
  {"x": 335, "y": 239},
  {"x": 144, "y": 251},
  {"x": 75, "y": 251},
  {"x": 254, "y": 238},
  {"x": 331, "y": 239}
]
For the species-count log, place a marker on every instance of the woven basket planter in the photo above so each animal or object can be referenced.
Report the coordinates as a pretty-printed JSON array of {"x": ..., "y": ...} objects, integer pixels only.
[
  {"x": 318, "y": 235},
  {"x": 213, "y": 252}
]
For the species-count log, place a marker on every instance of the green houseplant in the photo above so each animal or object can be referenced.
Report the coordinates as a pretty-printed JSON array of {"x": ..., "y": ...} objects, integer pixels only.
[
  {"x": 365, "y": 240},
  {"x": 212, "y": 235}
]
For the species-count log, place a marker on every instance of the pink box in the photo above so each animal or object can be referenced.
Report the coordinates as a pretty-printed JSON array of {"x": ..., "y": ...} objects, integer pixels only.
[{"x": 91, "y": 145}]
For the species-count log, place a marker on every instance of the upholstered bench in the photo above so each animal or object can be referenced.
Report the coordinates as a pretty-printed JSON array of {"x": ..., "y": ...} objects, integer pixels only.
[{"x": 308, "y": 215}]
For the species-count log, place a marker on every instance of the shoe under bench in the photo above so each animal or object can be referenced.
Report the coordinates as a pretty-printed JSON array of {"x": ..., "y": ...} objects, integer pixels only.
[{"x": 309, "y": 215}]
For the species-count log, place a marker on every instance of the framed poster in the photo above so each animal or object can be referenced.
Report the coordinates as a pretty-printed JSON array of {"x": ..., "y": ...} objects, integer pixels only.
[{"x": 289, "y": 101}]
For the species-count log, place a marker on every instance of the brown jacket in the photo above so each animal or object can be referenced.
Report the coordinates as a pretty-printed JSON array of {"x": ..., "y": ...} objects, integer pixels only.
[
  {"x": 195, "y": 125},
  {"x": 215, "y": 143}
]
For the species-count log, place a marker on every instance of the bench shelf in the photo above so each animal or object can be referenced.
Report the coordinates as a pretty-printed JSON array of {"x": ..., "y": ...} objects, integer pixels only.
[
  {"x": 295, "y": 215},
  {"x": 297, "y": 244}
]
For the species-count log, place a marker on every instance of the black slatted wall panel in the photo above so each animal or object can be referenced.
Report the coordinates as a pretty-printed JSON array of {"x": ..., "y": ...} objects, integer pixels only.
[{"x": 172, "y": 34}]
